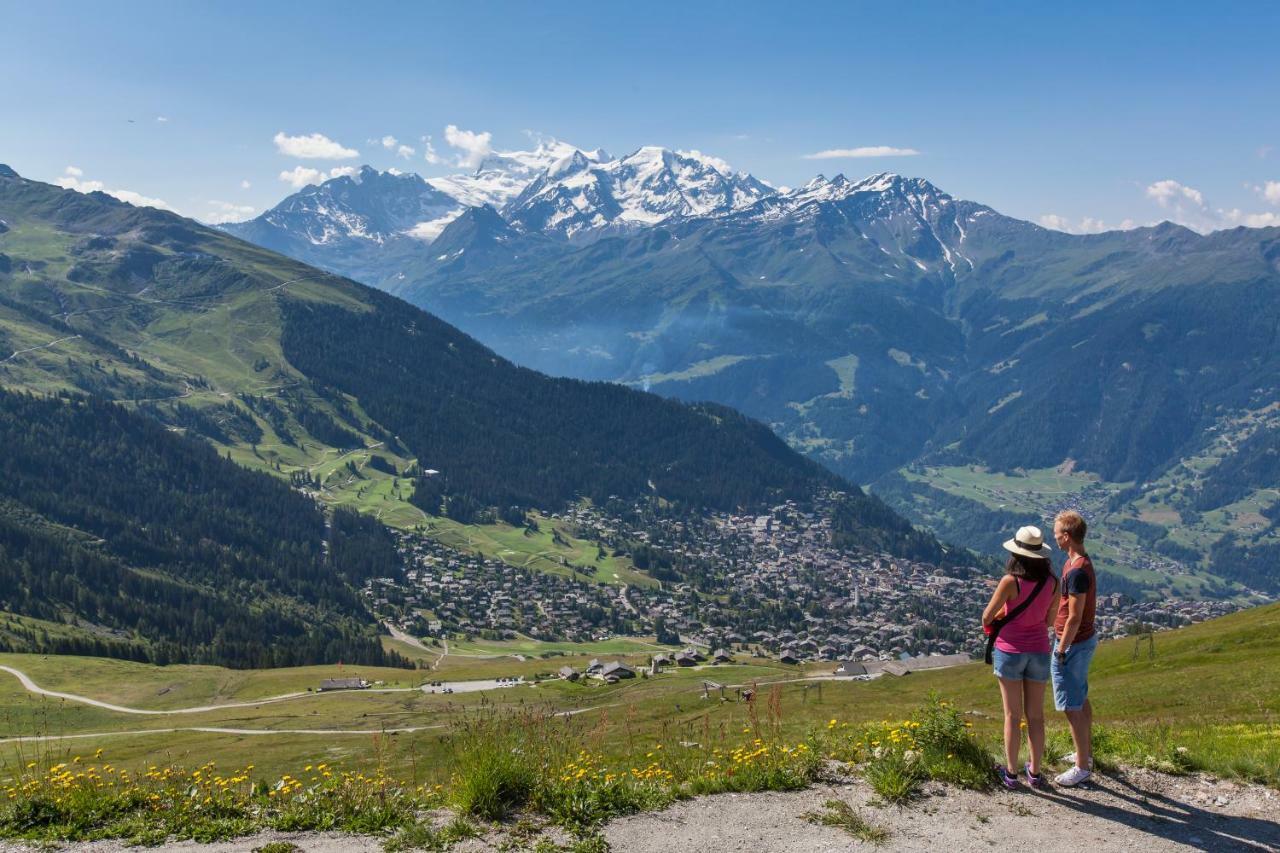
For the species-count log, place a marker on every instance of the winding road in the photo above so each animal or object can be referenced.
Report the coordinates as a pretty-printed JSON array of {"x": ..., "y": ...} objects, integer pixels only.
[{"x": 465, "y": 686}]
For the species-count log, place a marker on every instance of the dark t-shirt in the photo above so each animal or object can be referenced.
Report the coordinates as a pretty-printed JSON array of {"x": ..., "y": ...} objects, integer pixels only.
[{"x": 1077, "y": 579}]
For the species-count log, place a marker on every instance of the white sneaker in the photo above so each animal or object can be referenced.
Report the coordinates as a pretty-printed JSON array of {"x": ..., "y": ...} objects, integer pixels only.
[
  {"x": 1073, "y": 777},
  {"x": 1070, "y": 758}
]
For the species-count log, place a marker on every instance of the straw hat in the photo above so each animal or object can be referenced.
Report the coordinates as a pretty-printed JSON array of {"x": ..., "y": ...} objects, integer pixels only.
[{"x": 1029, "y": 542}]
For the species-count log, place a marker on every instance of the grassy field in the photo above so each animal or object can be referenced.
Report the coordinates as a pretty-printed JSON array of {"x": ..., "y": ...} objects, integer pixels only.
[
  {"x": 1213, "y": 689},
  {"x": 539, "y": 551}
]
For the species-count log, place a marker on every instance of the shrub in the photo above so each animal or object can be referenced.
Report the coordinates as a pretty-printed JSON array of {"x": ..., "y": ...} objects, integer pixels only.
[{"x": 934, "y": 743}]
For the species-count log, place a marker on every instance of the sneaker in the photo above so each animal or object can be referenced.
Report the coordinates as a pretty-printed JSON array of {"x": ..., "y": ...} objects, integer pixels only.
[
  {"x": 1073, "y": 777},
  {"x": 1007, "y": 779},
  {"x": 1035, "y": 780},
  {"x": 1070, "y": 758}
]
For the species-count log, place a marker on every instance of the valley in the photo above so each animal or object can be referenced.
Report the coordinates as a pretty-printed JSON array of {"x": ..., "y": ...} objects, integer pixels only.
[{"x": 881, "y": 327}]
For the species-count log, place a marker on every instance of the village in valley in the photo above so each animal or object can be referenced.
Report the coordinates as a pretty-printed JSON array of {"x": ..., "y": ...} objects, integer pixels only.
[{"x": 770, "y": 585}]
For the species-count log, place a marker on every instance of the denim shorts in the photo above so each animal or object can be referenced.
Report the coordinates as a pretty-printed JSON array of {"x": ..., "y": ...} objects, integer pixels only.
[
  {"x": 1071, "y": 680},
  {"x": 1026, "y": 666}
]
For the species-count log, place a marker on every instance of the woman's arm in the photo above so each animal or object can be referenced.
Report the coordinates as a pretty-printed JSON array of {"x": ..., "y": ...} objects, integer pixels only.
[{"x": 1003, "y": 594}]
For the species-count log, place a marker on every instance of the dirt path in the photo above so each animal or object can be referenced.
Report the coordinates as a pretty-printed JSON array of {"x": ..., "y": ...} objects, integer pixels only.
[
  {"x": 456, "y": 686},
  {"x": 1139, "y": 811},
  {"x": 1142, "y": 811}
]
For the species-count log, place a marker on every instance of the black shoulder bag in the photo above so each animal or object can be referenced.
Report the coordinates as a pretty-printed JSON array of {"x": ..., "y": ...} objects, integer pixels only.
[{"x": 1009, "y": 617}]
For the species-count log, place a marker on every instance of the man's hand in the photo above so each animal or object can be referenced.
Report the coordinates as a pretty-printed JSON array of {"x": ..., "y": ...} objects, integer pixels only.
[{"x": 1061, "y": 655}]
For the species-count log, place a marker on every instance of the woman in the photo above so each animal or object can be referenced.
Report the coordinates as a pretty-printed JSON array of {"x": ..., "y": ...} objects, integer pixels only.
[{"x": 1021, "y": 654}]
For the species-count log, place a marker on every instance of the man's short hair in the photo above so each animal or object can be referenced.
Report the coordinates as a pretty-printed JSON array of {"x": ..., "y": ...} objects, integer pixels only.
[{"x": 1073, "y": 524}]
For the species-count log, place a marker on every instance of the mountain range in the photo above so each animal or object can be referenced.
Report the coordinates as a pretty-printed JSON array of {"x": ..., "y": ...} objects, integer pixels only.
[
  {"x": 876, "y": 324},
  {"x": 131, "y": 340}
]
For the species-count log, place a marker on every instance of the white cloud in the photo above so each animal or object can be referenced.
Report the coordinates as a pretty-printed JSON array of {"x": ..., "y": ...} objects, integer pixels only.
[
  {"x": 1189, "y": 208},
  {"x": 474, "y": 146},
  {"x": 404, "y": 151},
  {"x": 244, "y": 185},
  {"x": 315, "y": 146},
  {"x": 70, "y": 180},
  {"x": 225, "y": 211},
  {"x": 864, "y": 151},
  {"x": 1171, "y": 192},
  {"x": 1085, "y": 225},
  {"x": 301, "y": 176},
  {"x": 1236, "y": 216},
  {"x": 140, "y": 200},
  {"x": 389, "y": 142},
  {"x": 716, "y": 163},
  {"x": 162, "y": 119},
  {"x": 430, "y": 154}
]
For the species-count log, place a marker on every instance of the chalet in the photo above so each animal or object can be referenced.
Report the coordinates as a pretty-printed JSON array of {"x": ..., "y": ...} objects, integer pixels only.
[
  {"x": 895, "y": 668},
  {"x": 848, "y": 667},
  {"x": 568, "y": 673},
  {"x": 593, "y": 668},
  {"x": 617, "y": 669},
  {"x": 343, "y": 684},
  {"x": 685, "y": 659},
  {"x": 789, "y": 656},
  {"x": 661, "y": 660},
  {"x": 721, "y": 656}
]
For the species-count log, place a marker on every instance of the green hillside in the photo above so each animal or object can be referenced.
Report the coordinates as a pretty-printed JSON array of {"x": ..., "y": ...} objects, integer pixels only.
[
  {"x": 162, "y": 551},
  {"x": 350, "y": 396},
  {"x": 297, "y": 367}
]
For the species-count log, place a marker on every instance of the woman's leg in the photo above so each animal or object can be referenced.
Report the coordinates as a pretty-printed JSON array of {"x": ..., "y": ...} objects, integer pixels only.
[
  {"x": 1033, "y": 707},
  {"x": 1011, "y": 693}
]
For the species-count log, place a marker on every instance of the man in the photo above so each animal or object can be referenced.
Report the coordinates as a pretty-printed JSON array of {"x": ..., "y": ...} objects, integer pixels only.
[{"x": 1076, "y": 643}]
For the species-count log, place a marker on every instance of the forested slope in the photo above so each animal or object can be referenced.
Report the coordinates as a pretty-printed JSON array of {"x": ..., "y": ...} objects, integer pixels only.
[{"x": 169, "y": 551}]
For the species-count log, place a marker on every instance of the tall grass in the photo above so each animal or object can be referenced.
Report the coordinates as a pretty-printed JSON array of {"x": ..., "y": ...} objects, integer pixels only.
[{"x": 935, "y": 743}]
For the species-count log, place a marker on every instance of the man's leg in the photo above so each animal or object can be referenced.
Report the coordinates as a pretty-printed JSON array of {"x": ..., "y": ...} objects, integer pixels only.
[{"x": 1081, "y": 723}]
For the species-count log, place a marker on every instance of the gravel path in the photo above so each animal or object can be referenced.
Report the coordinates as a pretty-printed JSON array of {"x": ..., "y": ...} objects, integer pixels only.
[{"x": 1140, "y": 811}]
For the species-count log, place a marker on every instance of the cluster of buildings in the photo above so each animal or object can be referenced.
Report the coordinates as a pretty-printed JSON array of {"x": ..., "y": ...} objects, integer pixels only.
[{"x": 770, "y": 583}]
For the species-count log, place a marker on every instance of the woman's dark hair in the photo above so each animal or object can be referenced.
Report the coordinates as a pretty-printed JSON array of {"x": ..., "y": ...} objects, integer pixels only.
[{"x": 1031, "y": 568}]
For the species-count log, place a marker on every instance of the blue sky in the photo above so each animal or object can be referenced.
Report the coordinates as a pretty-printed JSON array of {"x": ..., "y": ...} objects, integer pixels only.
[{"x": 1087, "y": 113}]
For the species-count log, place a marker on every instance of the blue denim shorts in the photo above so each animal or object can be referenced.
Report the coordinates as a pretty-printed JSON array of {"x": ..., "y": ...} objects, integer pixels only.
[
  {"x": 1071, "y": 680},
  {"x": 1027, "y": 666}
]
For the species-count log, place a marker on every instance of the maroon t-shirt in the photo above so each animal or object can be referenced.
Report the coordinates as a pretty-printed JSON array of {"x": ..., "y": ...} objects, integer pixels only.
[{"x": 1077, "y": 579}]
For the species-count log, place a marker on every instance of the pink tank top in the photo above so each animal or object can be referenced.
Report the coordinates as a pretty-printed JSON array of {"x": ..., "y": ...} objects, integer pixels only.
[{"x": 1028, "y": 634}]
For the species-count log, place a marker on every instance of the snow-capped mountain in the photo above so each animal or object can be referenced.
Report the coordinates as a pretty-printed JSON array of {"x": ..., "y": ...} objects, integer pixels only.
[
  {"x": 579, "y": 195},
  {"x": 369, "y": 206},
  {"x": 502, "y": 175},
  {"x": 376, "y": 207}
]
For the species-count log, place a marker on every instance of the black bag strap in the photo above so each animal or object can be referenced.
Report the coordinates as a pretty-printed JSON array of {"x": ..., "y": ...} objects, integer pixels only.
[{"x": 1011, "y": 615}]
